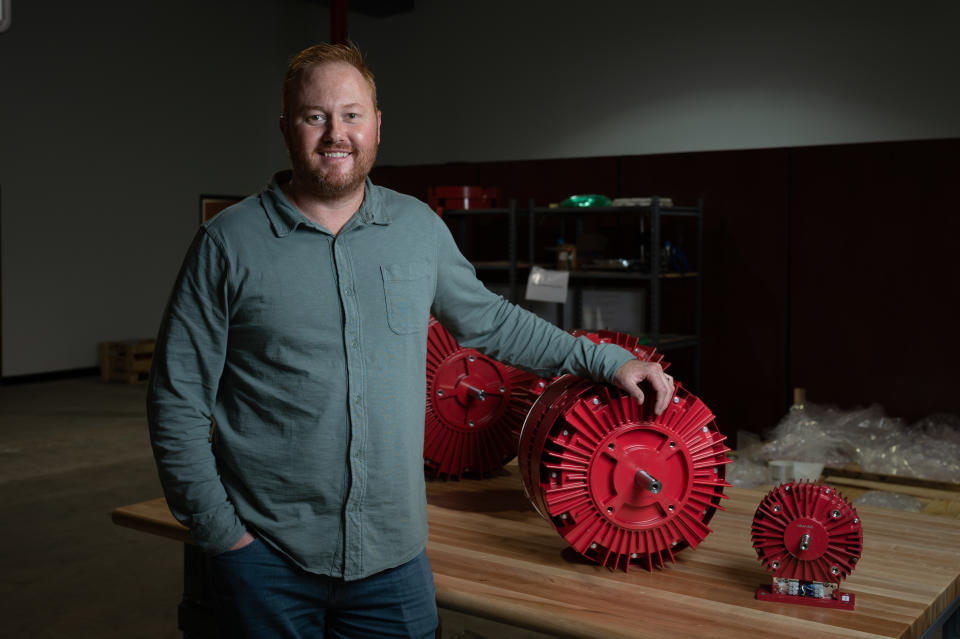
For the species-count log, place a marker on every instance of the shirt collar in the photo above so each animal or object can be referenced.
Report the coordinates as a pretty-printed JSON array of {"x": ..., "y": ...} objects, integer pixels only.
[{"x": 285, "y": 217}]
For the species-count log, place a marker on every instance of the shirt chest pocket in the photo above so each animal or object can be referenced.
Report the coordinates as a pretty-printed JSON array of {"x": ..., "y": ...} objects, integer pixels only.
[{"x": 408, "y": 291}]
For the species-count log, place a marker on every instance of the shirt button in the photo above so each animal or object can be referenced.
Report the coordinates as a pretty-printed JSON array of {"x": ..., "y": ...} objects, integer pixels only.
[
  {"x": 354, "y": 343},
  {"x": 349, "y": 292}
]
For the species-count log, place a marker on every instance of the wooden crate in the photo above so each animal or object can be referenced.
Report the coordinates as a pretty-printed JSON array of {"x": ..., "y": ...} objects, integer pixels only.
[{"x": 126, "y": 361}]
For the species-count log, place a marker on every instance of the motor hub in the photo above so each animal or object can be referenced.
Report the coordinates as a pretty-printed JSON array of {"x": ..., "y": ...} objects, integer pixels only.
[{"x": 634, "y": 480}]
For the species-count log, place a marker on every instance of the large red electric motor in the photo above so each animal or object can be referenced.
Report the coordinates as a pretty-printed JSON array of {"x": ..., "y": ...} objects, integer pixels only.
[
  {"x": 620, "y": 484},
  {"x": 810, "y": 538},
  {"x": 475, "y": 407}
]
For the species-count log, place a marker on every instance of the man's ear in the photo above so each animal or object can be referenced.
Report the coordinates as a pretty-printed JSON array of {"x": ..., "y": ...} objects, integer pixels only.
[{"x": 379, "y": 122}]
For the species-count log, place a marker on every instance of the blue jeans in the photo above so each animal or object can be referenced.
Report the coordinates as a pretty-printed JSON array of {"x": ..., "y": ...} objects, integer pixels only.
[{"x": 261, "y": 596}]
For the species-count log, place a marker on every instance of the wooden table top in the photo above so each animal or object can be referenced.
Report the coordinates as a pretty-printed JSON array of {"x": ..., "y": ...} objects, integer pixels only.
[{"x": 494, "y": 557}]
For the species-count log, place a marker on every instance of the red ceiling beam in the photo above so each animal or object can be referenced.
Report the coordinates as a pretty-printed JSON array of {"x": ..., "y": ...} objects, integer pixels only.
[{"x": 338, "y": 21}]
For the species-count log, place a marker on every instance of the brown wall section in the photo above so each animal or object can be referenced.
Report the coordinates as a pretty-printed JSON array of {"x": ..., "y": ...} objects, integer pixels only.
[
  {"x": 876, "y": 275},
  {"x": 831, "y": 267},
  {"x": 743, "y": 353}
]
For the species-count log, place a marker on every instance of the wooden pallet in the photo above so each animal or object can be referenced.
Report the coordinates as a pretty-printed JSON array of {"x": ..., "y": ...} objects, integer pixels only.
[{"x": 126, "y": 361}]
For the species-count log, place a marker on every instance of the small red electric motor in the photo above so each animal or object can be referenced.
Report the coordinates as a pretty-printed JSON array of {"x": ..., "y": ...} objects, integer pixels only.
[
  {"x": 475, "y": 407},
  {"x": 809, "y": 536}
]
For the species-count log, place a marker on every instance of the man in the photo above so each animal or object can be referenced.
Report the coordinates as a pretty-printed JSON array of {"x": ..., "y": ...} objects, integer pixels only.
[{"x": 297, "y": 326}]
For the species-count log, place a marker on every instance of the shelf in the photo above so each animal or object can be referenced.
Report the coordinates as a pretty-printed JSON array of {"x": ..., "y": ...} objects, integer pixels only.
[
  {"x": 598, "y": 274},
  {"x": 457, "y": 212},
  {"x": 680, "y": 211},
  {"x": 597, "y": 282},
  {"x": 626, "y": 275},
  {"x": 499, "y": 265},
  {"x": 672, "y": 342},
  {"x": 597, "y": 210}
]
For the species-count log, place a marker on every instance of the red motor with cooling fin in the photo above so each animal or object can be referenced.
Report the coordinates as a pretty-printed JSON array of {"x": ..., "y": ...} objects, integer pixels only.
[
  {"x": 810, "y": 537},
  {"x": 475, "y": 407},
  {"x": 621, "y": 484}
]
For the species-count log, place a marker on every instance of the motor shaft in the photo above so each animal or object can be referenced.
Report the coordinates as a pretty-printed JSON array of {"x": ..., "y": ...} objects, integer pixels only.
[
  {"x": 479, "y": 393},
  {"x": 648, "y": 481}
]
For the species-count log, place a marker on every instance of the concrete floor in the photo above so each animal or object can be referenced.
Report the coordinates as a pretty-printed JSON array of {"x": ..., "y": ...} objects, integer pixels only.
[{"x": 70, "y": 452}]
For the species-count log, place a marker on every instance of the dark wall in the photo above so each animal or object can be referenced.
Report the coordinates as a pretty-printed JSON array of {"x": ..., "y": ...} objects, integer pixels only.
[
  {"x": 876, "y": 275},
  {"x": 831, "y": 268}
]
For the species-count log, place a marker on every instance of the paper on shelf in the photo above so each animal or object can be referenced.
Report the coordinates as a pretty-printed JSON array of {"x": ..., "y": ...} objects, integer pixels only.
[{"x": 546, "y": 285}]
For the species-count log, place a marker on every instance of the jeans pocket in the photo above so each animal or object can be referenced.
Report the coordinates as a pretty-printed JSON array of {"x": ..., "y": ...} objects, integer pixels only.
[
  {"x": 408, "y": 292},
  {"x": 228, "y": 555}
]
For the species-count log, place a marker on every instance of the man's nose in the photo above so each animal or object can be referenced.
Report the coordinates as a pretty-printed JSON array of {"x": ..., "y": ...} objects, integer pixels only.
[{"x": 333, "y": 131}]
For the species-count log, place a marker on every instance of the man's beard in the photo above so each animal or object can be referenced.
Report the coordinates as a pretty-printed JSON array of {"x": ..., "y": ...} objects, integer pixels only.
[{"x": 340, "y": 183}]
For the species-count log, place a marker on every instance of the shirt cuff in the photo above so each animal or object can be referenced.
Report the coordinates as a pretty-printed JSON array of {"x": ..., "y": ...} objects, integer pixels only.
[
  {"x": 613, "y": 358},
  {"x": 217, "y": 530}
]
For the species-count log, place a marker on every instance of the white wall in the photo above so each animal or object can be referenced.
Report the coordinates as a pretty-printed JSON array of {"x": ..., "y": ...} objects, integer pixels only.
[
  {"x": 506, "y": 80},
  {"x": 114, "y": 117}
]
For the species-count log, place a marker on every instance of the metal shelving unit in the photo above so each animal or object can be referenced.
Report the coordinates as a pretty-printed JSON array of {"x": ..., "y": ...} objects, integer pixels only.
[
  {"x": 510, "y": 264},
  {"x": 652, "y": 277}
]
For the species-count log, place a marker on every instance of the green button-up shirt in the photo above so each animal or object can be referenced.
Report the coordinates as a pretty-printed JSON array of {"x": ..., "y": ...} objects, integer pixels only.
[{"x": 308, "y": 350}]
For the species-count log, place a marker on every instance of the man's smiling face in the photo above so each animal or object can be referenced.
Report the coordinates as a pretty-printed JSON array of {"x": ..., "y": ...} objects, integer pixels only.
[{"x": 332, "y": 130}]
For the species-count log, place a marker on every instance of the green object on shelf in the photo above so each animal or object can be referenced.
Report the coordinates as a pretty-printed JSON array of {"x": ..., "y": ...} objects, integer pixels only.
[{"x": 586, "y": 200}]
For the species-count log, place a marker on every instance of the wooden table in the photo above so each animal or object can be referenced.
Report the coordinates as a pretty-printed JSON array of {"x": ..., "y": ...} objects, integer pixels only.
[{"x": 494, "y": 557}]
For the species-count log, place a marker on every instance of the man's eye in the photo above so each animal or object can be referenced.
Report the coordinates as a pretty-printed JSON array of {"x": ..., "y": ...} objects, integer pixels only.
[
  {"x": 316, "y": 117},
  {"x": 353, "y": 116}
]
